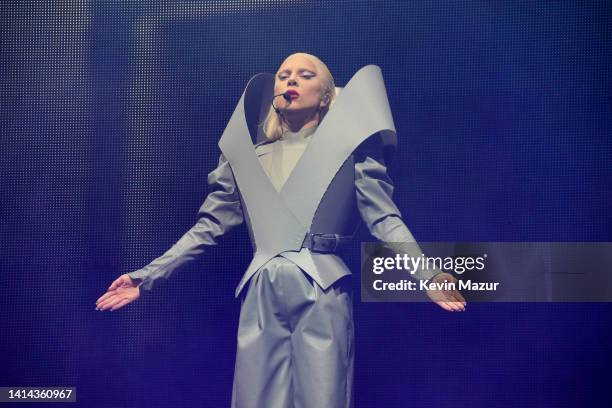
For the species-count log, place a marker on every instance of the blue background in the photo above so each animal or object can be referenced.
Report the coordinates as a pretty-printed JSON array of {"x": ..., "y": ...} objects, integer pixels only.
[{"x": 111, "y": 113}]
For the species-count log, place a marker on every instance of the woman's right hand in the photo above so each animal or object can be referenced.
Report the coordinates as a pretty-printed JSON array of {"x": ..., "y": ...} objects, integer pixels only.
[{"x": 121, "y": 292}]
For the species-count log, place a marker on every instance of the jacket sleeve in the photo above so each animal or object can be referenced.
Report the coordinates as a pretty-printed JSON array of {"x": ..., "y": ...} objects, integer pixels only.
[
  {"x": 220, "y": 212},
  {"x": 374, "y": 192}
]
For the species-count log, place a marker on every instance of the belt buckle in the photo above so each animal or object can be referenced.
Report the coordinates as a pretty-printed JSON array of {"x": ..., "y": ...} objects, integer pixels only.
[{"x": 325, "y": 242}]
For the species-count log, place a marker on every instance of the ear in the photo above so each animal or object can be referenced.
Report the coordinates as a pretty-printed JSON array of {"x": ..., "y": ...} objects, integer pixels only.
[{"x": 324, "y": 100}]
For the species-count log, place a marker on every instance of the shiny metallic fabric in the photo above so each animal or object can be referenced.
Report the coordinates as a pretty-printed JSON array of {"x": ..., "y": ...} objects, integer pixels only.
[{"x": 295, "y": 341}]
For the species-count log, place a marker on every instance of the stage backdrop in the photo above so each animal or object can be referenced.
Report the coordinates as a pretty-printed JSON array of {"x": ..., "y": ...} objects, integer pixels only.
[{"x": 110, "y": 116}]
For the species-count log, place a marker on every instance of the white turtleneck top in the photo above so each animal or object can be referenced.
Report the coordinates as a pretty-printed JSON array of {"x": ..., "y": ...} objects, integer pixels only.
[{"x": 279, "y": 158}]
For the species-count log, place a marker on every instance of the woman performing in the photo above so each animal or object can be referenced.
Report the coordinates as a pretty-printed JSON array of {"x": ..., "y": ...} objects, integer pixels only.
[{"x": 302, "y": 168}]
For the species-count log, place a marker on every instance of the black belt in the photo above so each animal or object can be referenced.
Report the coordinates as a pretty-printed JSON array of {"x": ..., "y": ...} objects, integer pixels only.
[{"x": 318, "y": 242}]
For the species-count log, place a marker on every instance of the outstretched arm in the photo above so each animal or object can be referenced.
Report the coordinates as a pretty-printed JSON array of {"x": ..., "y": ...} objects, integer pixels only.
[
  {"x": 374, "y": 192},
  {"x": 220, "y": 212}
]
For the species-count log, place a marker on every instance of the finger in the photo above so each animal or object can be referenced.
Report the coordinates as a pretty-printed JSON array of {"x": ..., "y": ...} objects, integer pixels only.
[
  {"x": 105, "y": 305},
  {"x": 454, "y": 296},
  {"x": 454, "y": 306},
  {"x": 459, "y": 305},
  {"x": 444, "y": 306},
  {"x": 456, "y": 303},
  {"x": 116, "y": 283},
  {"x": 116, "y": 300},
  {"x": 457, "y": 295},
  {"x": 122, "y": 303},
  {"x": 105, "y": 296}
]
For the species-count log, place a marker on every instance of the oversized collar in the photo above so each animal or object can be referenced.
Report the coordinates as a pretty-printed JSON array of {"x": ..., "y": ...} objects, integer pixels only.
[
  {"x": 362, "y": 105},
  {"x": 279, "y": 220}
]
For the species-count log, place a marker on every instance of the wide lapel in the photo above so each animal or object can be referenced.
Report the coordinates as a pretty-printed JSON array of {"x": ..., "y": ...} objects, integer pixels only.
[
  {"x": 361, "y": 110},
  {"x": 274, "y": 226}
]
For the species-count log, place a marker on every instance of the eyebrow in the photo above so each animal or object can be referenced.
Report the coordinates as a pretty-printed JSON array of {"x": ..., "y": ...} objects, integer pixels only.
[{"x": 300, "y": 70}]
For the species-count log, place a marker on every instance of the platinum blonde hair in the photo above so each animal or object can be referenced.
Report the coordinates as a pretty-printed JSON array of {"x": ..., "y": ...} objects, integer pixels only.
[{"x": 272, "y": 124}]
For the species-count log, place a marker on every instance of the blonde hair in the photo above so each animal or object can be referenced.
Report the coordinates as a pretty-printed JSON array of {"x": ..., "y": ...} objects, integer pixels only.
[{"x": 272, "y": 124}]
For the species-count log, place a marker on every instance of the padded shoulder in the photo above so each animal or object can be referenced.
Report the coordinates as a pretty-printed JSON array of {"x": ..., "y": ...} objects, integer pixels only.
[{"x": 376, "y": 148}]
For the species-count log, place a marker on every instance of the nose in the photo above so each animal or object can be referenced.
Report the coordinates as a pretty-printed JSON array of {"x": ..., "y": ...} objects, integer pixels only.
[{"x": 292, "y": 80}]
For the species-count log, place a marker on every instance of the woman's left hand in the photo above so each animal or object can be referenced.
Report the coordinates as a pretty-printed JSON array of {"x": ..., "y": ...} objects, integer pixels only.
[{"x": 447, "y": 299}]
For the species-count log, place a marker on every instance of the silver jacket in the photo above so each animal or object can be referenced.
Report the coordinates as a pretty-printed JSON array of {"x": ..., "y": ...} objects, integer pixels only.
[{"x": 331, "y": 189}]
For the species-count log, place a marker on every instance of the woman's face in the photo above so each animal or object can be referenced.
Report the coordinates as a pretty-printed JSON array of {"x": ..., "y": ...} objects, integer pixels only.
[{"x": 299, "y": 76}]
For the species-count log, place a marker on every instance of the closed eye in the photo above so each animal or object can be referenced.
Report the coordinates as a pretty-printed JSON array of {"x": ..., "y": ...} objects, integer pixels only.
[{"x": 305, "y": 75}]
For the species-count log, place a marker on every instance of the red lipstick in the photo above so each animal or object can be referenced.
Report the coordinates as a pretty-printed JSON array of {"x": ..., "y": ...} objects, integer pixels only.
[{"x": 293, "y": 93}]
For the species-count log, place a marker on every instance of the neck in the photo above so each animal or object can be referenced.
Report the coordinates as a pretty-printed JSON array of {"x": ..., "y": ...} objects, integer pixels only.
[{"x": 296, "y": 122}]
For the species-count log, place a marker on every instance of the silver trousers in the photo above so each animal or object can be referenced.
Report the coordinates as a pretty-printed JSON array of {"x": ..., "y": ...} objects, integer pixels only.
[{"x": 295, "y": 341}]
